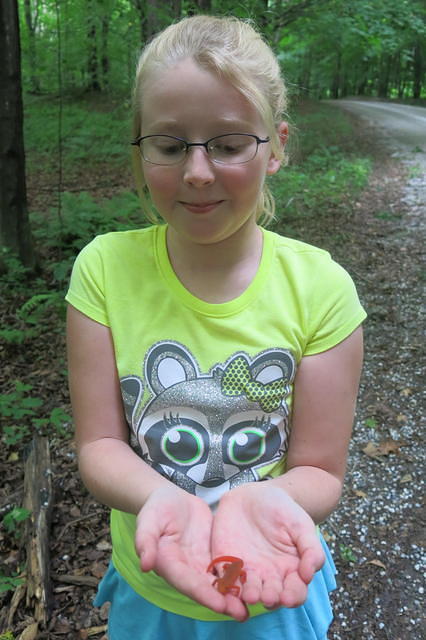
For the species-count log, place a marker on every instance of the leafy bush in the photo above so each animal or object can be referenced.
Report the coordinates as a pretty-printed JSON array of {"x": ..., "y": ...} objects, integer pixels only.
[
  {"x": 326, "y": 169},
  {"x": 20, "y": 415},
  {"x": 13, "y": 520},
  {"x": 89, "y": 134},
  {"x": 82, "y": 218}
]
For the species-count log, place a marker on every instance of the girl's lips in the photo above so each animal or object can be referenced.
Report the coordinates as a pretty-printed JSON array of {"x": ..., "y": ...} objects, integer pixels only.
[{"x": 201, "y": 207}]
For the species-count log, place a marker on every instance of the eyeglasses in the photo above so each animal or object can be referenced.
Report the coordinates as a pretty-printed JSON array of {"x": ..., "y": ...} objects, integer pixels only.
[{"x": 232, "y": 148}]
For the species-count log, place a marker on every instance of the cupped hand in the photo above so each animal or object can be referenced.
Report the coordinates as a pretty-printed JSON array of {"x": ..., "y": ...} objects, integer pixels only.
[
  {"x": 173, "y": 535},
  {"x": 276, "y": 539}
]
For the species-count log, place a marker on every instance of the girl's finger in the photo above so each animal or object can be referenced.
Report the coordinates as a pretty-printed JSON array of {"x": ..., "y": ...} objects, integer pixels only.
[
  {"x": 271, "y": 592},
  {"x": 311, "y": 554},
  {"x": 252, "y": 589},
  {"x": 312, "y": 559},
  {"x": 295, "y": 591},
  {"x": 236, "y": 608},
  {"x": 195, "y": 585},
  {"x": 146, "y": 548}
]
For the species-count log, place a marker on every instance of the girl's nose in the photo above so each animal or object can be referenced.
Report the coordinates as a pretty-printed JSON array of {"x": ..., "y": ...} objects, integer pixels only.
[{"x": 198, "y": 168}]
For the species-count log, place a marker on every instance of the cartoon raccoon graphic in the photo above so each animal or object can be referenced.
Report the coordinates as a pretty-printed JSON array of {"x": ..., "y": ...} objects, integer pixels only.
[{"x": 210, "y": 432}]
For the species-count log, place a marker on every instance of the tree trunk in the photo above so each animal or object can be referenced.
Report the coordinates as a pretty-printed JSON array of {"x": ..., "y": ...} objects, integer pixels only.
[
  {"x": 31, "y": 22},
  {"x": 139, "y": 5},
  {"x": 92, "y": 58},
  {"x": 104, "y": 56},
  {"x": 14, "y": 223},
  {"x": 153, "y": 17},
  {"x": 204, "y": 5},
  {"x": 177, "y": 8},
  {"x": 335, "y": 87},
  {"x": 418, "y": 71},
  {"x": 384, "y": 76}
]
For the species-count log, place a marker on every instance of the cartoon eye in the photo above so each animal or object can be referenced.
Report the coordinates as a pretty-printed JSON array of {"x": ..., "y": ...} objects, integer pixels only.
[
  {"x": 182, "y": 445},
  {"x": 246, "y": 445}
]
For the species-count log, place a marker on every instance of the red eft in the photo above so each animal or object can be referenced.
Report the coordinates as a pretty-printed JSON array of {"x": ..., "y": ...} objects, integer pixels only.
[{"x": 232, "y": 571}]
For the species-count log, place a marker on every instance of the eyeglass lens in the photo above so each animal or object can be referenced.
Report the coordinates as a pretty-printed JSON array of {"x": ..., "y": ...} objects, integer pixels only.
[{"x": 227, "y": 149}]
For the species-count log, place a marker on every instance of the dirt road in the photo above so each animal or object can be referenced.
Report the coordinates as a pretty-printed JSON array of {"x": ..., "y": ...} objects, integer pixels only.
[
  {"x": 402, "y": 129},
  {"x": 380, "y": 519},
  {"x": 404, "y": 124}
]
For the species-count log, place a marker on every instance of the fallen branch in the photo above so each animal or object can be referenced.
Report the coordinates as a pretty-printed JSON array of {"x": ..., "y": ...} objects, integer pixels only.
[
  {"x": 86, "y": 581},
  {"x": 38, "y": 498}
]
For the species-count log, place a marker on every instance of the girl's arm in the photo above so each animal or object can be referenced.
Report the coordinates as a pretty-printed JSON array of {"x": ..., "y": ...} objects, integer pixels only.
[
  {"x": 271, "y": 524},
  {"x": 325, "y": 393},
  {"x": 173, "y": 527},
  {"x": 111, "y": 471}
]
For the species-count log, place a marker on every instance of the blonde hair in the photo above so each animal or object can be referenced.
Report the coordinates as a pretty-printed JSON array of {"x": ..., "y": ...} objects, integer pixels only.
[{"x": 230, "y": 48}]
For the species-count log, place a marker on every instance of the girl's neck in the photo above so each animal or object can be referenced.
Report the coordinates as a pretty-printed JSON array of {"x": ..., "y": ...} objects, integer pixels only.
[{"x": 217, "y": 272}]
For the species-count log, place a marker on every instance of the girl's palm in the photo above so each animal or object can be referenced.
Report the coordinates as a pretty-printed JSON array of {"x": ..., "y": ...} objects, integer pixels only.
[
  {"x": 275, "y": 538},
  {"x": 173, "y": 539}
]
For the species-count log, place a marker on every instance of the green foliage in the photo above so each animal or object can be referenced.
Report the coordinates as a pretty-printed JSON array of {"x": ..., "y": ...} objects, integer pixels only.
[
  {"x": 7, "y": 635},
  {"x": 321, "y": 175},
  {"x": 9, "y": 583},
  {"x": 387, "y": 215},
  {"x": 12, "y": 264},
  {"x": 13, "y": 520},
  {"x": 91, "y": 132},
  {"x": 327, "y": 48},
  {"x": 15, "y": 336},
  {"x": 82, "y": 218},
  {"x": 33, "y": 310},
  {"x": 346, "y": 553},
  {"x": 363, "y": 48},
  {"x": 371, "y": 423},
  {"x": 20, "y": 415}
]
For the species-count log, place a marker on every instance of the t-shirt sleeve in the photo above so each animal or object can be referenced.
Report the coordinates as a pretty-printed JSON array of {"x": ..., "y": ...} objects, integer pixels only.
[
  {"x": 334, "y": 310},
  {"x": 86, "y": 290}
]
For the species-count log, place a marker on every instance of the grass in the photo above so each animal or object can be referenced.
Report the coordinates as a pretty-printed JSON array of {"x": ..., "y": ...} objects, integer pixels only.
[
  {"x": 90, "y": 131},
  {"x": 326, "y": 169}
]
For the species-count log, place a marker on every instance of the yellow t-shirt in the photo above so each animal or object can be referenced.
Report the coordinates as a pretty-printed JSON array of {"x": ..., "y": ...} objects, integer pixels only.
[{"x": 207, "y": 388}]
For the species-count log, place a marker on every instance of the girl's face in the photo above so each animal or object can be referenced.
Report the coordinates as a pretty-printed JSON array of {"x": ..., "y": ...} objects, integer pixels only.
[{"x": 203, "y": 201}]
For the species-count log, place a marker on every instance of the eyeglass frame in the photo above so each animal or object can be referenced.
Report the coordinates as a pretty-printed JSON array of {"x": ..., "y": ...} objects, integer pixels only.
[{"x": 258, "y": 140}]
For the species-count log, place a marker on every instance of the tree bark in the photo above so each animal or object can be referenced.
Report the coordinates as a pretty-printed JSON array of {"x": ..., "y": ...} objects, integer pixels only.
[
  {"x": 290, "y": 14},
  {"x": 385, "y": 67},
  {"x": 418, "y": 71},
  {"x": 92, "y": 59},
  {"x": 177, "y": 8},
  {"x": 31, "y": 17},
  {"x": 105, "y": 56},
  {"x": 335, "y": 87},
  {"x": 204, "y": 5},
  {"x": 15, "y": 231},
  {"x": 153, "y": 17}
]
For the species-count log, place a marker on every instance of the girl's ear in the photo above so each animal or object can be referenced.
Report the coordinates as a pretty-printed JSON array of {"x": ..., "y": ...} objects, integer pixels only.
[{"x": 274, "y": 163}]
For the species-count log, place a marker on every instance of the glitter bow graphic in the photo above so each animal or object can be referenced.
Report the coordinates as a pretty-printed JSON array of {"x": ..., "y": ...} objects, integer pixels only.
[{"x": 238, "y": 381}]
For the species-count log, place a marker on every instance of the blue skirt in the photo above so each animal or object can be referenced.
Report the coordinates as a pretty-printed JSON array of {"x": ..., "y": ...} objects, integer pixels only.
[{"x": 131, "y": 617}]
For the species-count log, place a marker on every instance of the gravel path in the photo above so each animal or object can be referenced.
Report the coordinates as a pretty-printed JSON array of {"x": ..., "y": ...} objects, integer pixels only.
[{"x": 378, "y": 532}]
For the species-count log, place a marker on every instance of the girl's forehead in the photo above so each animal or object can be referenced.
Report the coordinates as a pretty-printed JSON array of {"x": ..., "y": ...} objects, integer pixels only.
[
  {"x": 185, "y": 74},
  {"x": 187, "y": 92}
]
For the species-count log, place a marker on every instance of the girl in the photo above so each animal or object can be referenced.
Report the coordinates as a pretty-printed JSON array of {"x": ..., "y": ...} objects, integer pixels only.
[{"x": 214, "y": 365}]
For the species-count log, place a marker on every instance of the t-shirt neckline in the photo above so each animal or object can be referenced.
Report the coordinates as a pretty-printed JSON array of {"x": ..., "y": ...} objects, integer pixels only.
[{"x": 197, "y": 304}]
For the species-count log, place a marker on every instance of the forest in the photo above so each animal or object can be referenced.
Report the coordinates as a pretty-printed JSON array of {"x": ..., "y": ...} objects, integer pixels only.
[{"x": 328, "y": 48}]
